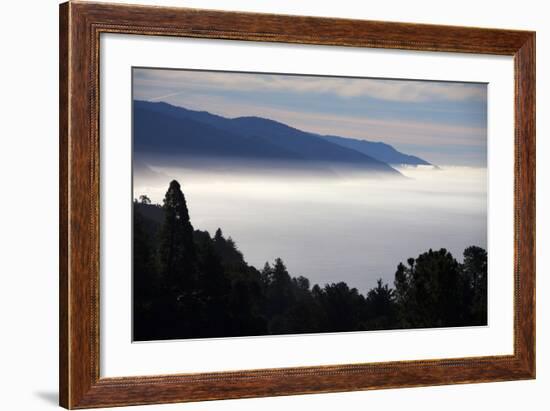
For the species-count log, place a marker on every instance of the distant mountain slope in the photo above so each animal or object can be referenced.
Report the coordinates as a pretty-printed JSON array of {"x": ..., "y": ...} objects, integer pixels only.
[
  {"x": 163, "y": 129},
  {"x": 306, "y": 144},
  {"x": 381, "y": 151},
  {"x": 274, "y": 130},
  {"x": 159, "y": 133}
]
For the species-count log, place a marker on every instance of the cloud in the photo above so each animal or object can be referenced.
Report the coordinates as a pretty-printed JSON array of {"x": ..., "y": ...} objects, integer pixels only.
[{"x": 389, "y": 90}]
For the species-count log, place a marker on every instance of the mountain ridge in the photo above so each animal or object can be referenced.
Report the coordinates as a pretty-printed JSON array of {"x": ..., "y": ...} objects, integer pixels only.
[
  {"x": 161, "y": 128},
  {"x": 382, "y": 151}
]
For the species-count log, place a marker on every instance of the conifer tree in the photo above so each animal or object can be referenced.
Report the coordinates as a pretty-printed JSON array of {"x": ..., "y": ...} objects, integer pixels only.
[
  {"x": 218, "y": 237},
  {"x": 475, "y": 277},
  {"x": 266, "y": 274},
  {"x": 380, "y": 307},
  {"x": 280, "y": 290},
  {"x": 177, "y": 252}
]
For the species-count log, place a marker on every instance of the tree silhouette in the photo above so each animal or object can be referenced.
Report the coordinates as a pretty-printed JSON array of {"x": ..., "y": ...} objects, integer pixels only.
[
  {"x": 145, "y": 281},
  {"x": 380, "y": 307},
  {"x": 279, "y": 292},
  {"x": 213, "y": 289},
  {"x": 190, "y": 285},
  {"x": 342, "y": 307},
  {"x": 177, "y": 254},
  {"x": 143, "y": 199},
  {"x": 227, "y": 250},
  {"x": 475, "y": 276},
  {"x": 429, "y": 292},
  {"x": 218, "y": 237},
  {"x": 266, "y": 275}
]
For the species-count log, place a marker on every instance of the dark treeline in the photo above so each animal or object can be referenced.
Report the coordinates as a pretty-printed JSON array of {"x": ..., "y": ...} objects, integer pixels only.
[{"x": 188, "y": 284}]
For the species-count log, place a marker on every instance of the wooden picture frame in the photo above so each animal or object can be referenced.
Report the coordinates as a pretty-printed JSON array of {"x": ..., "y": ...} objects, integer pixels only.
[{"x": 80, "y": 27}]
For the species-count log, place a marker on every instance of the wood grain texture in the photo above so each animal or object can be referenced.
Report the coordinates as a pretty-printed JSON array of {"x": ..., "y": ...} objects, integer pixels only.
[
  {"x": 63, "y": 205},
  {"x": 80, "y": 27},
  {"x": 525, "y": 200}
]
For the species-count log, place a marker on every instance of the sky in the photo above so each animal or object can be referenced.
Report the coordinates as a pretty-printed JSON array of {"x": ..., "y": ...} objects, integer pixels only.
[{"x": 444, "y": 123}]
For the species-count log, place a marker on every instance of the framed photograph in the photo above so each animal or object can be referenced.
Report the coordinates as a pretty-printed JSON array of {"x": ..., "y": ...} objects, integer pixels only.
[{"x": 258, "y": 205}]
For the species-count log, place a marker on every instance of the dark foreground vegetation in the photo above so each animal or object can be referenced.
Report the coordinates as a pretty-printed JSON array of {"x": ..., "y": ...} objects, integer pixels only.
[{"x": 188, "y": 284}]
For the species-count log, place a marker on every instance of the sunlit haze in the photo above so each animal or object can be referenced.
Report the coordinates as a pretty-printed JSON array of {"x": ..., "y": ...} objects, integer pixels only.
[{"x": 336, "y": 229}]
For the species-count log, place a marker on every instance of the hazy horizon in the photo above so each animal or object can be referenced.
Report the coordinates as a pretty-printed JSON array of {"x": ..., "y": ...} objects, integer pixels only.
[
  {"x": 354, "y": 229},
  {"x": 328, "y": 221}
]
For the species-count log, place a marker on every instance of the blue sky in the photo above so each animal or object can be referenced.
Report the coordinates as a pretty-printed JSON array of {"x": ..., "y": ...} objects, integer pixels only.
[{"x": 442, "y": 122}]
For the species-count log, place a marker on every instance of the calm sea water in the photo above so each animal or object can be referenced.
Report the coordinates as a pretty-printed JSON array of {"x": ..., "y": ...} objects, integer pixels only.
[{"x": 352, "y": 229}]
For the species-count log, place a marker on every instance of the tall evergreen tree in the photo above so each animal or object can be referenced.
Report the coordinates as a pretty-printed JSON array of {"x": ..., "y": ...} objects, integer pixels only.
[
  {"x": 281, "y": 292},
  {"x": 279, "y": 298},
  {"x": 177, "y": 254}
]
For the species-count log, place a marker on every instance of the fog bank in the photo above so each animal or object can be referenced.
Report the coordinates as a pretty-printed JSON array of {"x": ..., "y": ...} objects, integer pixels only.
[{"x": 345, "y": 228}]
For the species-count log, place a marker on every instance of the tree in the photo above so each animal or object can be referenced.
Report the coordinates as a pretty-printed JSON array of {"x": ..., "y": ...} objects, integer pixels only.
[
  {"x": 280, "y": 273},
  {"x": 342, "y": 307},
  {"x": 246, "y": 320},
  {"x": 143, "y": 258},
  {"x": 279, "y": 297},
  {"x": 218, "y": 237},
  {"x": 475, "y": 278},
  {"x": 145, "y": 281},
  {"x": 177, "y": 252},
  {"x": 143, "y": 199},
  {"x": 429, "y": 291},
  {"x": 380, "y": 307},
  {"x": 306, "y": 313},
  {"x": 212, "y": 280},
  {"x": 213, "y": 291},
  {"x": 266, "y": 274},
  {"x": 226, "y": 248}
]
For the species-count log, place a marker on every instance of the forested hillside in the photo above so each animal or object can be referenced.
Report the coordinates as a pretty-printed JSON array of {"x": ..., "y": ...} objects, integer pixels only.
[{"x": 190, "y": 284}]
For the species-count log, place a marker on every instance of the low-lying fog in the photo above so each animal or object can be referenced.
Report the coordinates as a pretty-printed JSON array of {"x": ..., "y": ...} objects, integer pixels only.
[{"x": 353, "y": 229}]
